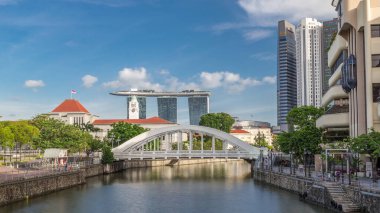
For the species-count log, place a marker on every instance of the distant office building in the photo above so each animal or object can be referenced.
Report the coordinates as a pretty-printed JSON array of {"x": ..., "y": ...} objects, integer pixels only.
[
  {"x": 142, "y": 107},
  {"x": 309, "y": 66},
  {"x": 198, "y": 106},
  {"x": 286, "y": 72},
  {"x": 167, "y": 109},
  {"x": 329, "y": 31}
]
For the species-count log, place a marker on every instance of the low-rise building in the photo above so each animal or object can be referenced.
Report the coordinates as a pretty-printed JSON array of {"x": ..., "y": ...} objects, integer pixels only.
[{"x": 254, "y": 128}]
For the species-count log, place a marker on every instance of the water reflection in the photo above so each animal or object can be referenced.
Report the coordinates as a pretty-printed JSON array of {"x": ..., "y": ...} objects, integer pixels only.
[{"x": 219, "y": 187}]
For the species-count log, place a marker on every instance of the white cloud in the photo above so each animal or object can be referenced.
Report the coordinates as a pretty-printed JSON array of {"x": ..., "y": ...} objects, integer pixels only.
[
  {"x": 270, "y": 79},
  {"x": 257, "y": 34},
  {"x": 34, "y": 84},
  {"x": 133, "y": 78},
  {"x": 268, "y": 12},
  {"x": 230, "y": 81},
  {"x": 89, "y": 80}
]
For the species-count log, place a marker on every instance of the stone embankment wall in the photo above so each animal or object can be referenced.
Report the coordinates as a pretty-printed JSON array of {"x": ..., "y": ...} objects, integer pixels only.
[
  {"x": 24, "y": 189},
  {"x": 316, "y": 193},
  {"x": 370, "y": 200}
]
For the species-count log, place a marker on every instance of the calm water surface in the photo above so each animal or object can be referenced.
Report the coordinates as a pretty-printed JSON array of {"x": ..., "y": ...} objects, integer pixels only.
[{"x": 218, "y": 187}]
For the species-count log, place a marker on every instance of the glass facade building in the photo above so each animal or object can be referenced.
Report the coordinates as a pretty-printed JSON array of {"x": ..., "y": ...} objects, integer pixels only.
[
  {"x": 329, "y": 31},
  {"x": 286, "y": 72},
  {"x": 198, "y": 106},
  {"x": 142, "y": 107},
  {"x": 167, "y": 109}
]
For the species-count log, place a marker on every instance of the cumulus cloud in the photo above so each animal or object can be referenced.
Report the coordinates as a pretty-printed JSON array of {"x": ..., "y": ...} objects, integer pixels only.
[
  {"x": 34, "y": 84},
  {"x": 133, "y": 78},
  {"x": 268, "y": 12},
  {"x": 263, "y": 15},
  {"x": 230, "y": 81},
  {"x": 89, "y": 80}
]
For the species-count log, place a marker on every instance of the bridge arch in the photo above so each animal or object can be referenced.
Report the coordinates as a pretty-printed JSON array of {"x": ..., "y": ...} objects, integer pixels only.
[{"x": 137, "y": 147}]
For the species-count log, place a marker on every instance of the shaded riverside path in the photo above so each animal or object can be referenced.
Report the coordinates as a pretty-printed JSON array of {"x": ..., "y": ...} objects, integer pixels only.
[{"x": 217, "y": 187}]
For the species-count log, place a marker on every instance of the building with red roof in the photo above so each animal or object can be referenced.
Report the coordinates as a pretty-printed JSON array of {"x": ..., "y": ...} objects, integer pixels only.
[{"x": 72, "y": 112}]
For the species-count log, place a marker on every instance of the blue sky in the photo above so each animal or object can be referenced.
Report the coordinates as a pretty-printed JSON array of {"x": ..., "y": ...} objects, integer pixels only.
[{"x": 48, "y": 47}]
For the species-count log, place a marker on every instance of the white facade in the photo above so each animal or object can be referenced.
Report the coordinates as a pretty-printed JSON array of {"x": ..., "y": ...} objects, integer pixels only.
[
  {"x": 309, "y": 62},
  {"x": 134, "y": 108}
]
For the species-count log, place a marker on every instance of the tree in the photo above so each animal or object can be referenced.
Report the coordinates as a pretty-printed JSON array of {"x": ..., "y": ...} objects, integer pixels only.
[
  {"x": 56, "y": 134},
  {"x": 94, "y": 145},
  {"x": 306, "y": 136},
  {"x": 304, "y": 116},
  {"x": 122, "y": 132},
  {"x": 260, "y": 140},
  {"x": 6, "y": 138},
  {"x": 221, "y": 121},
  {"x": 368, "y": 144},
  {"x": 107, "y": 156}
]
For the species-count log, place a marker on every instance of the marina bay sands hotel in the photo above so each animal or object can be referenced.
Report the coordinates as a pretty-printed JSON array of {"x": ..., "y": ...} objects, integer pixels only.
[{"x": 198, "y": 102}]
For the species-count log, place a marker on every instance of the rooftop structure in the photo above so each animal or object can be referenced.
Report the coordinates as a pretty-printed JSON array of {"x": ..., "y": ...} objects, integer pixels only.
[
  {"x": 198, "y": 102},
  {"x": 70, "y": 105},
  {"x": 152, "y": 93}
]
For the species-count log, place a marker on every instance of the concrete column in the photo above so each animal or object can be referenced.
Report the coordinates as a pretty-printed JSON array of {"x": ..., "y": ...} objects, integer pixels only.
[
  {"x": 190, "y": 141},
  {"x": 213, "y": 144},
  {"x": 202, "y": 142}
]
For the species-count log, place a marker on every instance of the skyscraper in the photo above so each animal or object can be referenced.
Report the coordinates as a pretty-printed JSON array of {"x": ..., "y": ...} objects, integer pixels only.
[
  {"x": 329, "y": 31},
  {"x": 198, "y": 106},
  {"x": 309, "y": 62},
  {"x": 286, "y": 72},
  {"x": 142, "y": 107},
  {"x": 167, "y": 109}
]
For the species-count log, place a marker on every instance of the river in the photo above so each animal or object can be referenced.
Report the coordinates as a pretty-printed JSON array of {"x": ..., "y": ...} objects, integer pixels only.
[{"x": 217, "y": 187}]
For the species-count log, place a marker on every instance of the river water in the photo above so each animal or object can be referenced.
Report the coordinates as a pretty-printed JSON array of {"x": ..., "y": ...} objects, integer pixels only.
[{"x": 217, "y": 187}]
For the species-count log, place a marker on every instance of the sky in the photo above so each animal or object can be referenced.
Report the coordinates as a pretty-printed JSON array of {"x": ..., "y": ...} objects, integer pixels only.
[{"x": 228, "y": 47}]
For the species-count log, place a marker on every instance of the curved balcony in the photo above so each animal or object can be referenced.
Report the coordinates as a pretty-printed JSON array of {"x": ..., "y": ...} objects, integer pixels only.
[
  {"x": 334, "y": 92},
  {"x": 336, "y": 48},
  {"x": 333, "y": 120},
  {"x": 336, "y": 76}
]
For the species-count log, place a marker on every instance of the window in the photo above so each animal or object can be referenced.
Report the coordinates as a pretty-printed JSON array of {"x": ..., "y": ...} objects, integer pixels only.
[
  {"x": 376, "y": 60},
  {"x": 375, "y": 30},
  {"x": 375, "y": 92}
]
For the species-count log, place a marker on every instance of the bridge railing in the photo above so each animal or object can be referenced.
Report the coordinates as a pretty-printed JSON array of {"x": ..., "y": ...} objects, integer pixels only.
[{"x": 185, "y": 154}]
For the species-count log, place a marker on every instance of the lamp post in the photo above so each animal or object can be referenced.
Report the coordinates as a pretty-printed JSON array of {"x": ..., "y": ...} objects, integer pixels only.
[
  {"x": 349, "y": 155},
  {"x": 261, "y": 158},
  {"x": 291, "y": 163}
]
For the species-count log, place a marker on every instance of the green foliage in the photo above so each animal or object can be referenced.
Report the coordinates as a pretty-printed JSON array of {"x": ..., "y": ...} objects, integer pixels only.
[
  {"x": 304, "y": 116},
  {"x": 306, "y": 135},
  {"x": 107, "y": 156},
  {"x": 368, "y": 144},
  {"x": 122, "y": 132},
  {"x": 56, "y": 134},
  {"x": 221, "y": 121},
  {"x": 260, "y": 140},
  {"x": 23, "y": 132},
  {"x": 7, "y": 138}
]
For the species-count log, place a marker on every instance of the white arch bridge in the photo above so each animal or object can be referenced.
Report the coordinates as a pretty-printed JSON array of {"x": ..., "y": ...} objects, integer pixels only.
[{"x": 185, "y": 141}]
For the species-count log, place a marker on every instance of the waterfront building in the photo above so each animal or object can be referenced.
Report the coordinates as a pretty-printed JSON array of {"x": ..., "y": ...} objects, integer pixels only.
[
  {"x": 329, "y": 31},
  {"x": 286, "y": 72},
  {"x": 309, "y": 82},
  {"x": 167, "y": 109},
  {"x": 247, "y": 130},
  {"x": 354, "y": 57},
  {"x": 72, "y": 112},
  {"x": 198, "y": 106},
  {"x": 142, "y": 107}
]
